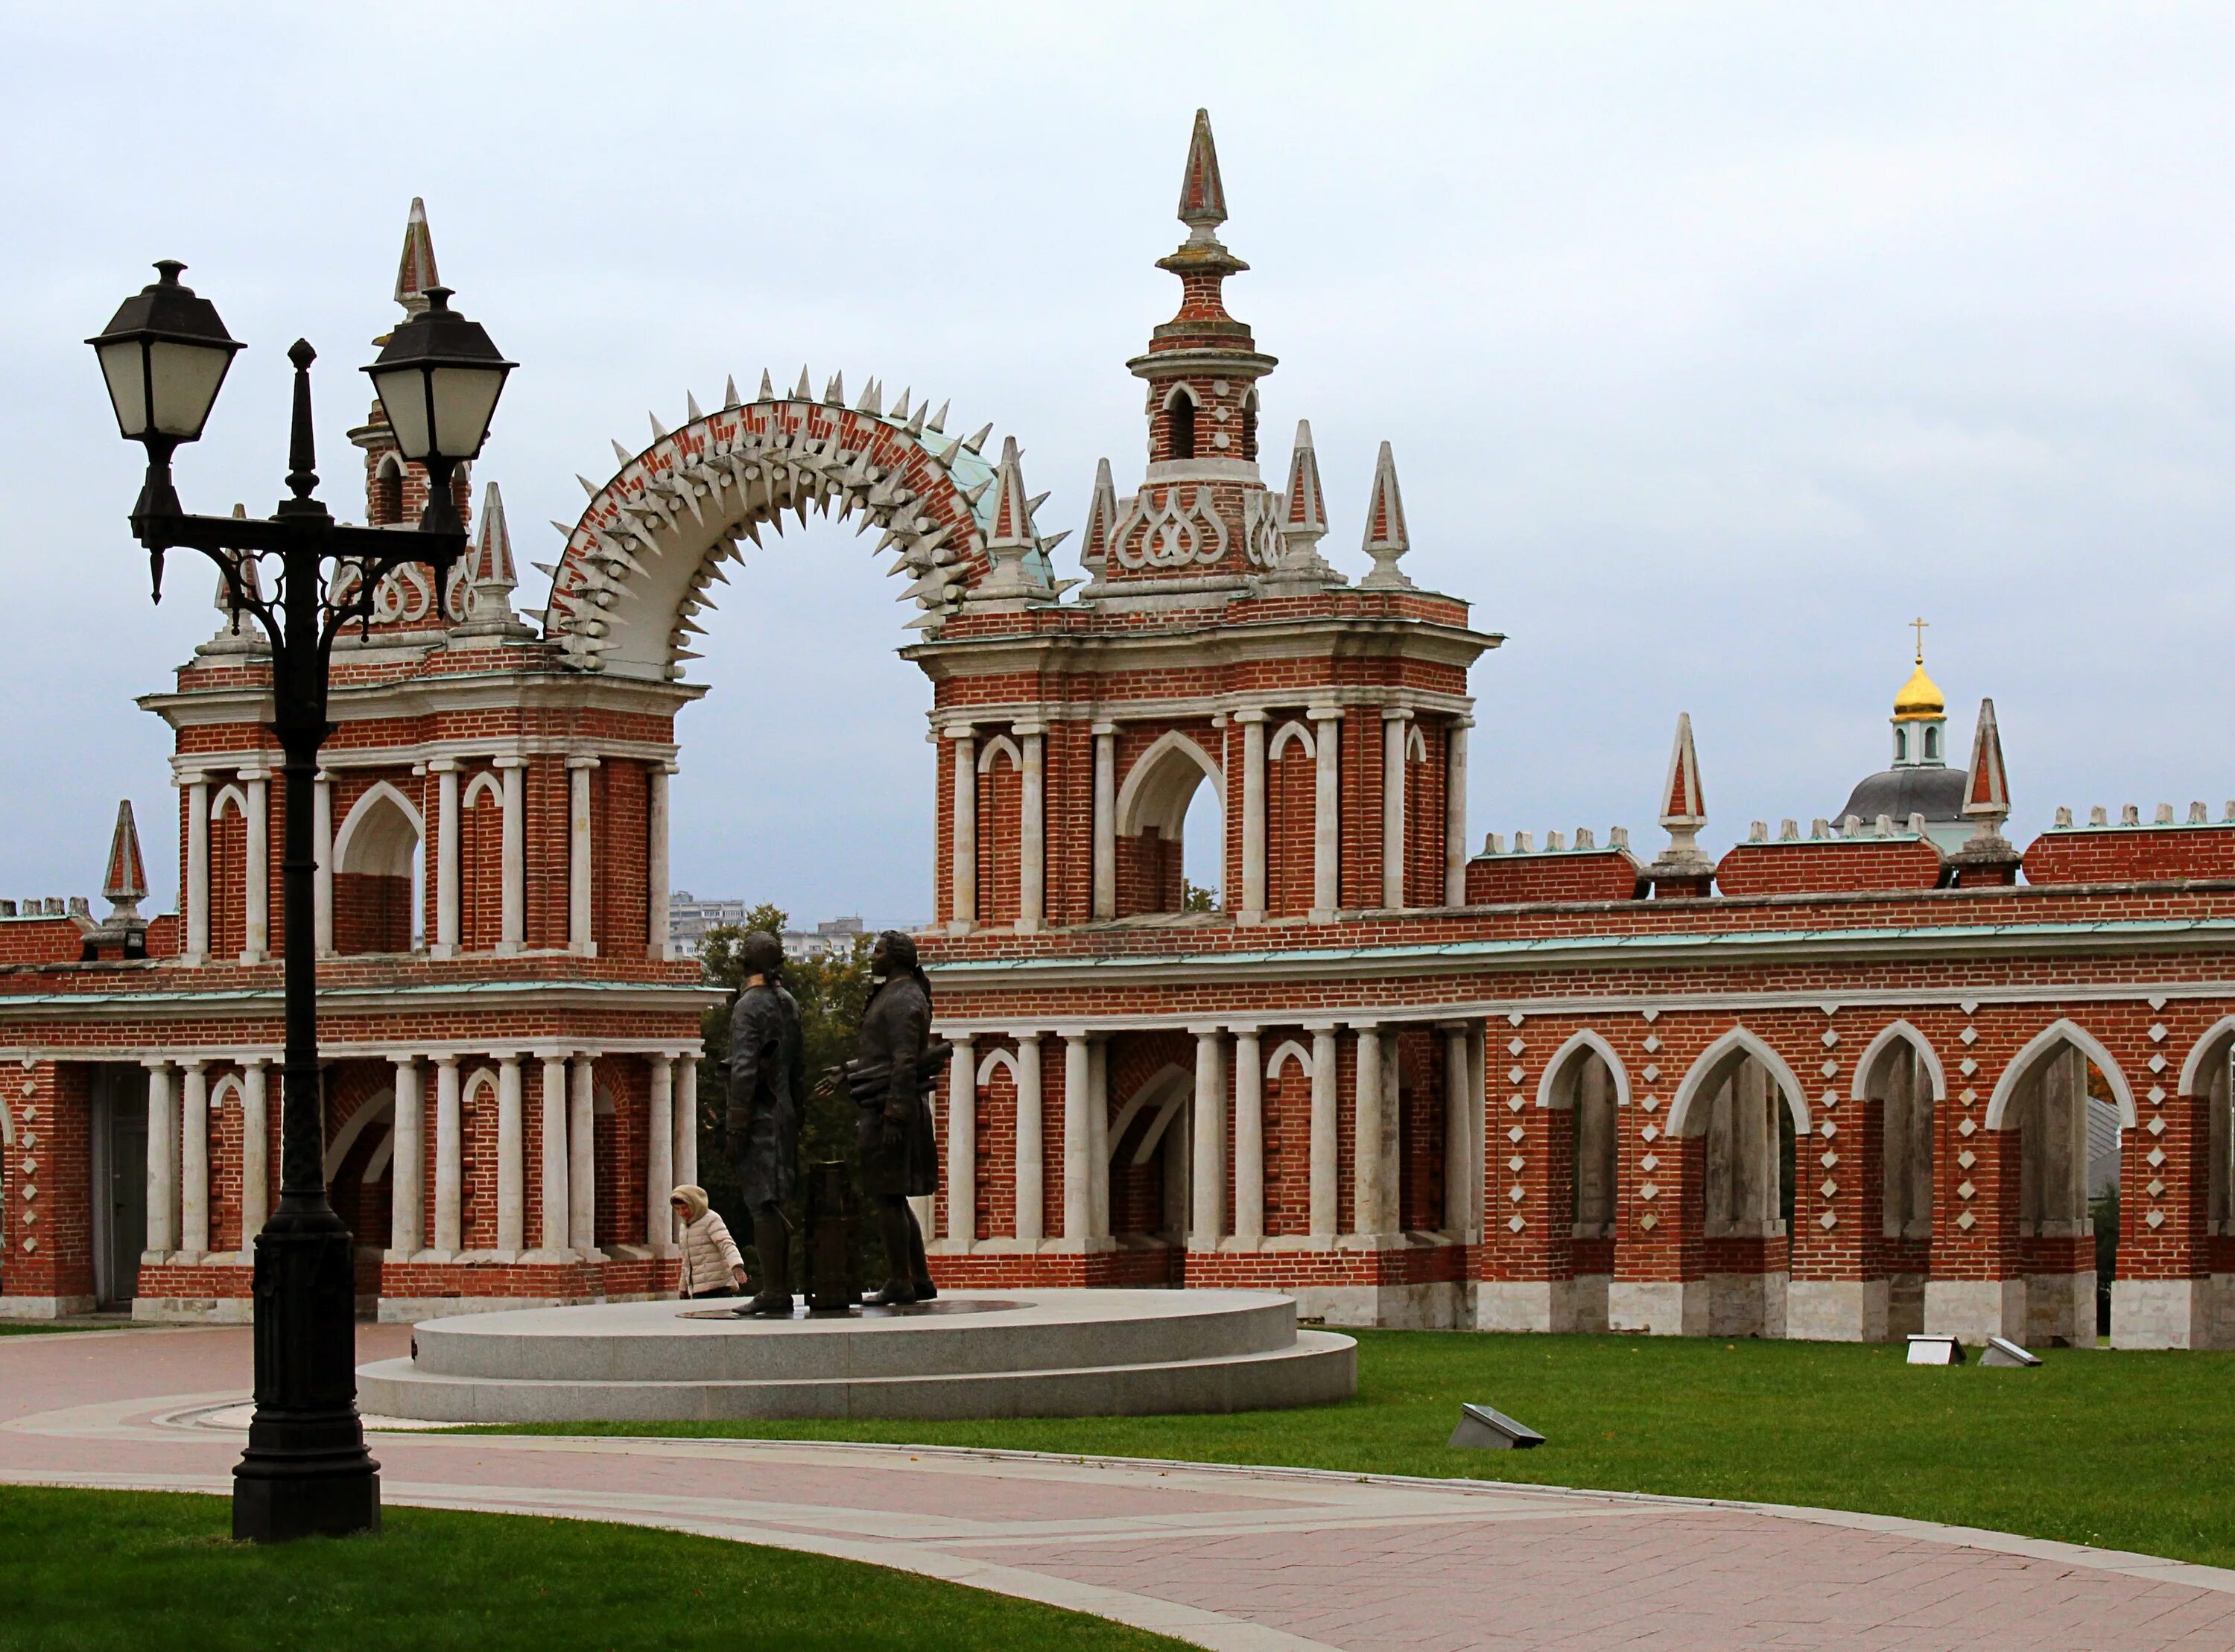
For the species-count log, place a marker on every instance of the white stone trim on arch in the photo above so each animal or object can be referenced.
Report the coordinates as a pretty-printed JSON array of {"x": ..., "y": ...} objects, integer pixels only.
[
  {"x": 379, "y": 1105},
  {"x": 1162, "y": 1087},
  {"x": 1292, "y": 731},
  {"x": 482, "y": 1078},
  {"x": 1152, "y": 796},
  {"x": 1181, "y": 389},
  {"x": 999, "y": 746},
  {"x": 1290, "y": 1049},
  {"x": 485, "y": 783},
  {"x": 6, "y": 1126},
  {"x": 1416, "y": 744},
  {"x": 2191, "y": 1070},
  {"x": 228, "y": 796},
  {"x": 1739, "y": 1040},
  {"x": 1550, "y": 1086},
  {"x": 997, "y": 1057},
  {"x": 230, "y": 1085},
  {"x": 365, "y": 807},
  {"x": 1898, "y": 1032},
  {"x": 2061, "y": 1031}
]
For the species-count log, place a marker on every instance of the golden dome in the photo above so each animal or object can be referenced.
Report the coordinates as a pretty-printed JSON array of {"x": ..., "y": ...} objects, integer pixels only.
[{"x": 1920, "y": 697}]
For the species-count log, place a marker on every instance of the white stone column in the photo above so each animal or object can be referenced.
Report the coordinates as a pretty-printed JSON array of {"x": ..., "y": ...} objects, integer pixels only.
[
  {"x": 1078, "y": 1137},
  {"x": 553, "y": 1229},
  {"x": 1326, "y": 811},
  {"x": 1394, "y": 732},
  {"x": 1253, "y": 815},
  {"x": 962, "y": 1141},
  {"x": 1031, "y": 811},
  {"x": 1369, "y": 1149},
  {"x": 512, "y": 929},
  {"x": 193, "y": 1162},
  {"x": 962, "y": 907},
  {"x": 1207, "y": 1181},
  {"x": 1455, "y": 812},
  {"x": 1032, "y": 1152},
  {"x": 1105, "y": 819},
  {"x": 255, "y": 1151},
  {"x": 686, "y": 1156},
  {"x": 579, "y": 869},
  {"x": 256, "y": 868},
  {"x": 655, "y": 938},
  {"x": 511, "y": 1158},
  {"x": 449, "y": 1159},
  {"x": 163, "y": 1161},
  {"x": 582, "y": 1160},
  {"x": 1326, "y": 1159},
  {"x": 198, "y": 889},
  {"x": 1461, "y": 1176},
  {"x": 1248, "y": 1135},
  {"x": 322, "y": 850},
  {"x": 407, "y": 1207},
  {"x": 659, "y": 1158},
  {"x": 1098, "y": 1136},
  {"x": 445, "y": 770}
]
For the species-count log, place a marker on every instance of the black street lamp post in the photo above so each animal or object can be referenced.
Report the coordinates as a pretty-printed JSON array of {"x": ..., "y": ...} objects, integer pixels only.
[{"x": 164, "y": 355}]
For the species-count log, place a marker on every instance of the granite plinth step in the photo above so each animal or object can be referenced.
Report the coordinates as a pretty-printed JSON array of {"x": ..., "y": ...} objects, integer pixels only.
[{"x": 1024, "y": 1354}]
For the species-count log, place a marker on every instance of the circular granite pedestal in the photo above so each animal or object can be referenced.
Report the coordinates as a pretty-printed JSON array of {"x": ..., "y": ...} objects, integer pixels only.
[{"x": 1017, "y": 1354}]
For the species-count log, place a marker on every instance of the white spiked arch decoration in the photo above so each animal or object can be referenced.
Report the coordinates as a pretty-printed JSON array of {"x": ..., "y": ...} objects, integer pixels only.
[{"x": 640, "y": 565}]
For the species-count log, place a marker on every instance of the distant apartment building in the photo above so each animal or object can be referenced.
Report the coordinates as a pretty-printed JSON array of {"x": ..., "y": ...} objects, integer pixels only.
[{"x": 690, "y": 919}]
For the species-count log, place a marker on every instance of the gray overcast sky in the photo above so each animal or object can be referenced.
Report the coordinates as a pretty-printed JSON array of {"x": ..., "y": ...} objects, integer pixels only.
[{"x": 1716, "y": 342}]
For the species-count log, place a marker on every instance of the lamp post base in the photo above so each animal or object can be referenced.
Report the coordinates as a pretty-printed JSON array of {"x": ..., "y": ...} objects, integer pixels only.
[{"x": 307, "y": 1472}]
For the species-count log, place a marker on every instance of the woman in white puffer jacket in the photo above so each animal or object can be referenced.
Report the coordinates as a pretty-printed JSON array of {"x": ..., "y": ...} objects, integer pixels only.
[{"x": 711, "y": 1265}]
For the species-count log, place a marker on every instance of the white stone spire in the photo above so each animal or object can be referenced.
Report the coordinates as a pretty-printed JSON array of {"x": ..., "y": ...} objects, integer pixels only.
[{"x": 1386, "y": 538}]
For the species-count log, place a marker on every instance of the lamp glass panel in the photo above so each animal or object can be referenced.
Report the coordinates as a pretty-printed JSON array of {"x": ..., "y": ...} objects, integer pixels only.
[
  {"x": 186, "y": 378},
  {"x": 121, "y": 365},
  {"x": 464, "y": 399},
  {"x": 403, "y": 398}
]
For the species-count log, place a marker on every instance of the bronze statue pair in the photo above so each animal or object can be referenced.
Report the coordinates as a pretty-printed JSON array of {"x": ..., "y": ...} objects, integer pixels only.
[{"x": 895, "y": 1066}]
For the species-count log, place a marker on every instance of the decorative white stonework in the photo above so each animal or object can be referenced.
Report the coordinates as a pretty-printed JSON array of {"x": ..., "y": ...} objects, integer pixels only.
[
  {"x": 1967, "y": 1067},
  {"x": 1516, "y": 1193},
  {"x": 2155, "y": 1218},
  {"x": 1831, "y": 1069},
  {"x": 1969, "y": 1035},
  {"x": 1831, "y": 1188},
  {"x": 1650, "y": 1162},
  {"x": 2156, "y": 1187},
  {"x": 1651, "y": 1132},
  {"x": 2158, "y": 1034},
  {"x": 1827, "y": 1159},
  {"x": 2157, "y": 1064},
  {"x": 1967, "y": 1127},
  {"x": 1965, "y": 1189},
  {"x": 1652, "y": 1074},
  {"x": 1650, "y": 1190},
  {"x": 1515, "y": 1074},
  {"x": 2156, "y": 1001},
  {"x": 1966, "y": 1159},
  {"x": 1649, "y": 1102},
  {"x": 1652, "y": 1043},
  {"x": 1968, "y": 1097},
  {"x": 2156, "y": 1158},
  {"x": 1830, "y": 1219},
  {"x": 1514, "y": 1103},
  {"x": 1967, "y": 1221},
  {"x": 1830, "y": 1038},
  {"x": 1516, "y": 1164},
  {"x": 1648, "y": 1221},
  {"x": 2156, "y": 1125},
  {"x": 1514, "y": 1047},
  {"x": 1829, "y": 1128},
  {"x": 1516, "y": 1134},
  {"x": 2156, "y": 1095},
  {"x": 1514, "y": 1225}
]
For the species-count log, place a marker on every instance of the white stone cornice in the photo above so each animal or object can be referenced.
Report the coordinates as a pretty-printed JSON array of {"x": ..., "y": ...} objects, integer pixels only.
[{"x": 1105, "y": 718}]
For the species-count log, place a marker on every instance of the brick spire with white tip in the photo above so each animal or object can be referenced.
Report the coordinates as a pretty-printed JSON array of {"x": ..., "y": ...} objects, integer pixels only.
[
  {"x": 1683, "y": 867},
  {"x": 1386, "y": 538}
]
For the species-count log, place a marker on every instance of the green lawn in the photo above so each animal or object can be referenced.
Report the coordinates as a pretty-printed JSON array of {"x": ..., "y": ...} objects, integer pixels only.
[
  {"x": 34, "y": 1327},
  {"x": 2129, "y": 1451},
  {"x": 137, "y": 1570}
]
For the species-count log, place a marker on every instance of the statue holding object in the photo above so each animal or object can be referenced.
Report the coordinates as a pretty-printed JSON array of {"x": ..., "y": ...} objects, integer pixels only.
[{"x": 896, "y": 1067}]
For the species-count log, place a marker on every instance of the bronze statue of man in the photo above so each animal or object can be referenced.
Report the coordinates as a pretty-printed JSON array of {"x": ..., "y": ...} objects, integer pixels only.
[
  {"x": 895, "y": 1065},
  {"x": 768, "y": 1097}
]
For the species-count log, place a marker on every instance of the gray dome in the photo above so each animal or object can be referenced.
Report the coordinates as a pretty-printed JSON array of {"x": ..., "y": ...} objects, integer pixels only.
[{"x": 1935, "y": 792}]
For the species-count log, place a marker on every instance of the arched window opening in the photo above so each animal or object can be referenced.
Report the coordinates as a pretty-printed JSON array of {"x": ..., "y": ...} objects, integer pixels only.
[
  {"x": 1899, "y": 1083},
  {"x": 1170, "y": 830},
  {"x": 1932, "y": 745},
  {"x": 1179, "y": 423},
  {"x": 1202, "y": 839},
  {"x": 1901, "y": 745},
  {"x": 2069, "y": 1149},
  {"x": 1249, "y": 427},
  {"x": 1746, "y": 1105},
  {"x": 377, "y": 876},
  {"x": 387, "y": 493}
]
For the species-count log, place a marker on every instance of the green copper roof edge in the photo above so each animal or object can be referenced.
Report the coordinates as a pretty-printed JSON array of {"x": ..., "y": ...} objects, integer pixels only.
[{"x": 249, "y": 995}]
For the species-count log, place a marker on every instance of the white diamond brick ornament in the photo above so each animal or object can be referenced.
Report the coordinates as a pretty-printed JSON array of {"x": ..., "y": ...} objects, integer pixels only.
[
  {"x": 2156, "y": 1095},
  {"x": 1967, "y": 1067},
  {"x": 1830, "y": 1069},
  {"x": 1514, "y": 1225},
  {"x": 1514, "y": 1047},
  {"x": 1651, "y": 1015},
  {"x": 1516, "y": 1164},
  {"x": 2157, "y": 1064},
  {"x": 1965, "y": 1189},
  {"x": 2155, "y": 1218},
  {"x": 1966, "y": 1159},
  {"x": 1648, "y": 1222},
  {"x": 1967, "y": 1127},
  {"x": 1652, "y": 1073},
  {"x": 30, "y": 1245},
  {"x": 1652, "y": 1043},
  {"x": 1515, "y": 1103},
  {"x": 1650, "y": 1132},
  {"x": 1969, "y": 1005},
  {"x": 1515, "y": 1074},
  {"x": 2158, "y": 1034},
  {"x": 1831, "y": 1188},
  {"x": 1968, "y": 1097},
  {"x": 1828, "y": 1129},
  {"x": 1969, "y": 1035},
  {"x": 2156, "y": 1125},
  {"x": 1649, "y": 1102},
  {"x": 1830, "y": 1038},
  {"x": 1516, "y": 1193},
  {"x": 1830, "y": 1219},
  {"x": 1967, "y": 1221},
  {"x": 1831, "y": 1098},
  {"x": 1650, "y": 1162},
  {"x": 1649, "y": 1191},
  {"x": 1515, "y": 1019},
  {"x": 2156, "y": 1187},
  {"x": 1827, "y": 1159},
  {"x": 2157, "y": 1158},
  {"x": 1515, "y": 1135},
  {"x": 2157, "y": 1001}
]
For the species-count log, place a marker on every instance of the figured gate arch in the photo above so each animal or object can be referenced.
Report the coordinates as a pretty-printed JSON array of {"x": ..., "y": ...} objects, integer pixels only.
[{"x": 640, "y": 562}]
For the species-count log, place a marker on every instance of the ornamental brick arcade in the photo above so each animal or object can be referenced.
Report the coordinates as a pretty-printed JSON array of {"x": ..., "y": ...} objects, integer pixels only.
[{"x": 1846, "y": 1084}]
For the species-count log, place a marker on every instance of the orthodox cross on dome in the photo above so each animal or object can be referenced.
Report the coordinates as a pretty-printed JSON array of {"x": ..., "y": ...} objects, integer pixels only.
[
  {"x": 1918, "y": 625},
  {"x": 415, "y": 271}
]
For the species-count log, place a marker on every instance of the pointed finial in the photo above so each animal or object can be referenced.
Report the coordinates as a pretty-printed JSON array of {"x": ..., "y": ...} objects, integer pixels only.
[
  {"x": 1203, "y": 193},
  {"x": 1986, "y": 787},
  {"x": 1101, "y": 522},
  {"x": 126, "y": 883},
  {"x": 1010, "y": 540},
  {"x": 414, "y": 272},
  {"x": 1303, "y": 514},
  {"x": 1386, "y": 538},
  {"x": 804, "y": 393},
  {"x": 729, "y": 392},
  {"x": 1683, "y": 868}
]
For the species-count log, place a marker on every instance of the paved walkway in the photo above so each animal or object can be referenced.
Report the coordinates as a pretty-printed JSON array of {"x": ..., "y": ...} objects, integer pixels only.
[{"x": 1223, "y": 1557}]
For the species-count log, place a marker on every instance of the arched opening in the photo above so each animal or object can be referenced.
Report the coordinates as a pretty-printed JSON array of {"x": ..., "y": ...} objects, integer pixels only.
[
  {"x": 228, "y": 868},
  {"x": 1291, "y": 793},
  {"x": 1586, "y": 1079},
  {"x": 360, "y": 1144},
  {"x": 2206, "y": 1077},
  {"x": 1001, "y": 829},
  {"x": 1898, "y": 1077},
  {"x": 1287, "y": 1116},
  {"x": 388, "y": 493},
  {"x": 1901, "y": 745},
  {"x": 1745, "y": 1106},
  {"x": 1163, "y": 797},
  {"x": 1179, "y": 423},
  {"x": 1249, "y": 427},
  {"x": 477, "y": 1145},
  {"x": 2069, "y": 1105},
  {"x": 376, "y": 874},
  {"x": 1151, "y": 1185},
  {"x": 1932, "y": 745},
  {"x": 481, "y": 863}
]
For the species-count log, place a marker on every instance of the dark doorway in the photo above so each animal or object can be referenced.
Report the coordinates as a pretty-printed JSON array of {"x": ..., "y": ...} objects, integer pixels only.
[{"x": 120, "y": 1183}]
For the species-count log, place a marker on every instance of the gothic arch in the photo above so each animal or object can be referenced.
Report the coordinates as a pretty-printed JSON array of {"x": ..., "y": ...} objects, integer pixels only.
[
  {"x": 996, "y": 748},
  {"x": 2063, "y": 1031},
  {"x": 483, "y": 784},
  {"x": 1893, "y": 1033},
  {"x": 1163, "y": 1091},
  {"x": 995, "y": 1059},
  {"x": 1292, "y": 731},
  {"x": 1416, "y": 744},
  {"x": 2191, "y": 1070},
  {"x": 1290, "y": 1050},
  {"x": 369, "y": 840},
  {"x": 1160, "y": 784},
  {"x": 380, "y": 1105},
  {"x": 642, "y": 559},
  {"x": 1714, "y": 1065},
  {"x": 1553, "y": 1090}
]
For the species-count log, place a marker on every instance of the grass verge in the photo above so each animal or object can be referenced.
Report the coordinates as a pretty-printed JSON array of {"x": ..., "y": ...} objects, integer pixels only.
[
  {"x": 2125, "y": 1450},
  {"x": 131, "y": 1570}
]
